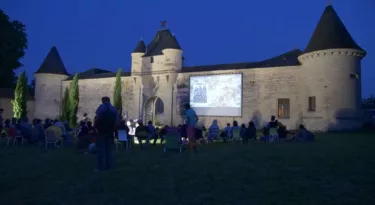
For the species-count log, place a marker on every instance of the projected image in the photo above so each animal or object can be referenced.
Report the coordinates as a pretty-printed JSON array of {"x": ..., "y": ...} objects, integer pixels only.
[
  {"x": 216, "y": 95},
  {"x": 200, "y": 94}
]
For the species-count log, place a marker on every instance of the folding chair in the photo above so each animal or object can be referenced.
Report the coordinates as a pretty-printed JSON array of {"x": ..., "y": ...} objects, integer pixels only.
[
  {"x": 122, "y": 137},
  {"x": 273, "y": 136},
  {"x": 236, "y": 131},
  {"x": 51, "y": 138},
  {"x": 172, "y": 142}
]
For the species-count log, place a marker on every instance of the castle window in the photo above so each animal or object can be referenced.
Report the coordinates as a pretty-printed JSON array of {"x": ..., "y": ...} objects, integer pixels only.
[
  {"x": 354, "y": 76},
  {"x": 283, "y": 108},
  {"x": 152, "y": 59},
  {"x": 312, "y": 104}
]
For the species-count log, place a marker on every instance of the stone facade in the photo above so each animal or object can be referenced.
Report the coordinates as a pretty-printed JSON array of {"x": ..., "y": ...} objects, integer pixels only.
[{"x": 321, "y": 89}]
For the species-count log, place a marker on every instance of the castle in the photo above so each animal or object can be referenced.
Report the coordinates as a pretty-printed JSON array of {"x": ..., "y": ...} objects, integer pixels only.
[{"x": 319, "y": 87}]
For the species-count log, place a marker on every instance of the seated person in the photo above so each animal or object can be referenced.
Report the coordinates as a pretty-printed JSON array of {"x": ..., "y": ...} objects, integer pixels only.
[
  {"x": 266, "y": 134},
  {"x": 141, "y": 132},
  {"x": 162, "y": 133},
  {"x": 25, "y": 128},
  {"x": 251, "y": 131},
  {"x": 4, "y": 131},
  {"x": 234, "y": 127},
  {"x": 83, "y": 136},
  {"x": 227, "y": 132},
  {"x": 304, "y": 135},
  {"x": 57, "y": 130},
  {"x": 273, "y": 123},
  {"x": 213, "y": 131}
]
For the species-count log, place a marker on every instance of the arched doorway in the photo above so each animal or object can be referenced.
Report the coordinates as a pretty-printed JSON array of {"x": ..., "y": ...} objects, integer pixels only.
[{"x": 154, "y": 111}]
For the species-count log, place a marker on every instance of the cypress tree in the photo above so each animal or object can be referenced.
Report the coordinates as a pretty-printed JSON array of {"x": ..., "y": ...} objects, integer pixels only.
[
  {"x": 73, "y": 101},
  {"x": 65, "y": 106},
  {"x": 117, "y": 98},
  {"x": 20, "y": 97}
]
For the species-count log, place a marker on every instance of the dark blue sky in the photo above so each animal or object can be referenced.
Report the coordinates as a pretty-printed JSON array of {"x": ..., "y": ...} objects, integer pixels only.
[{"x": 102, "y": 34}]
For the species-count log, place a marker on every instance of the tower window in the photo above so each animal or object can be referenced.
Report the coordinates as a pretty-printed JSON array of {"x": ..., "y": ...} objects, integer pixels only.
[
  {"x": 312, "y": 104},
  {"x": 152, "y": 59},
  {"x": 354, "y": 76},
  {"x": 283, "y": 108}
]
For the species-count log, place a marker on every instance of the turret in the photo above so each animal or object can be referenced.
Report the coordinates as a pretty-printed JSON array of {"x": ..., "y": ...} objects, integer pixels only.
[
  {"x": 173, "y": 54},
  {"x": 331, "y": 77},
  {"x": 48, "y": 86},
  {"x": 137, "y": 54},
  {"x": 163, "y": 53}
]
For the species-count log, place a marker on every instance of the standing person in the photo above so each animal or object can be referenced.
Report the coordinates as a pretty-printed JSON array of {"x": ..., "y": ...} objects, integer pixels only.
[
  {"x": 1, "y": 119},
  {"x": 192, "y": 119},
  {"x": 105, "y": 122}
]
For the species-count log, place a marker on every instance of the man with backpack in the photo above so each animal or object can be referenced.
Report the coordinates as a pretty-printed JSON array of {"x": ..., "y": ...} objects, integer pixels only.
[{"x": 106, "y": 121}]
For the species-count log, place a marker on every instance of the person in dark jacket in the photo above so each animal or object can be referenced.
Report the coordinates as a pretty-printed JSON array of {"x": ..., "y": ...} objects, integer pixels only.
[
  {"x": 141, "y": 132},
  {"x": 251, "y": 131}
]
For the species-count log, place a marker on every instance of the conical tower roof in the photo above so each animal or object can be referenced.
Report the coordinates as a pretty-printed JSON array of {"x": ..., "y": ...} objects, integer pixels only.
[
  {"x": 330, "y": 33},
  {"x": 53, "y": 64},
  {"x": 140, "y": 48},
  {"x": 163, "y": 40}
]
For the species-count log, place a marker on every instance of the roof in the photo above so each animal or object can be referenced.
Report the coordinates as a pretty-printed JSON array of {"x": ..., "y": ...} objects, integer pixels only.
[
  {"x": 97, "y": 73},
  {"x": 287, "y": 59},
  {"x": 330, "y": 33},
  {"x": 163, "y": 40},
  {"x": 53, "y": 64},
  {"x": 140, "y": 48}
]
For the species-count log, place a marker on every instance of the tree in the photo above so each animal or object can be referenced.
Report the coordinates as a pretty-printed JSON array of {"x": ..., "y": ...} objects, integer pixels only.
[
  {"x": 21, "y": 95},
  {"x": 13, "y": 42},
  {"x": 65, "y": 106},
  {"x": 117, "y": 98},
  {"x": 73, "y": 101}
]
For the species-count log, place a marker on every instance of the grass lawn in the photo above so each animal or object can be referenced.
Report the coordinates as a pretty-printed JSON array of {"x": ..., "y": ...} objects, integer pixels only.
[{"x": 339, "y": 168}]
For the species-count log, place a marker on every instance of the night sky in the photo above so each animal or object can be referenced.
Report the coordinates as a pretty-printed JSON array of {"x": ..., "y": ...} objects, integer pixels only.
[{"x": 102, "y": 34}]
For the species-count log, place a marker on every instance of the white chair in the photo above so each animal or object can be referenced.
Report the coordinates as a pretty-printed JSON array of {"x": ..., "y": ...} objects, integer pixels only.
[
  {"x": 51, "y": 138},
  {"x": 15, "y": 141},
  {"x": 122, "y": 137}
]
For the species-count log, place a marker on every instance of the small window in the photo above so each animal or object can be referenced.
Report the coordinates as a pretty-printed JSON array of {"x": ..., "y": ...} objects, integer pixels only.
[
  {"x": 152, "y": 59},
  {"x": 354, "y": 76},
  {"x": 312, "y": 105},
  {"x": 283, "y": 108}
]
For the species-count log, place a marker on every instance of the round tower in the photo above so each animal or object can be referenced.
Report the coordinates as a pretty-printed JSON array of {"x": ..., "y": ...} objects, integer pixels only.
[
  {"x": 331, "y": 77},
  {"x": 48, "y": 86},
  {"x": 137, "y": 54},
  {"x": 173, "y": 54}
]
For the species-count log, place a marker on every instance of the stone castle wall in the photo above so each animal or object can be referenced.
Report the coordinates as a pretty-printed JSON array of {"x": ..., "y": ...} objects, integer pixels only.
[
  {"x": 325, "y": 75},
  {"x": 261, "y": 90}
]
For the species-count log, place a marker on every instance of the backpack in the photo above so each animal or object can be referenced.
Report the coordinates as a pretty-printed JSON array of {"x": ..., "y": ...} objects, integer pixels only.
[{"x": 106, "y": 121}]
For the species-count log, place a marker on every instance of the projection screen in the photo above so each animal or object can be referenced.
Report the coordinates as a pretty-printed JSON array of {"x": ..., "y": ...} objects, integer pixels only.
[{"x": 216, "y": 95}]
